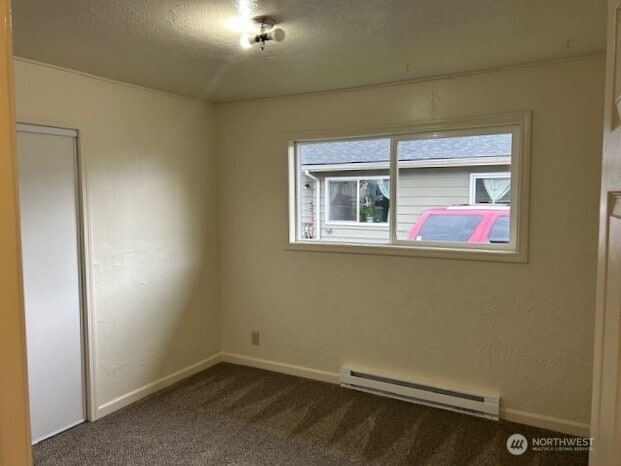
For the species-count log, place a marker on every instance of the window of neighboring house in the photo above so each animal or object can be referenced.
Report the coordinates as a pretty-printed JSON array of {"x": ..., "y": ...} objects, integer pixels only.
[
  {"x": 442, "y": 191},
  {"x": 490, "y": 188},
  {"x": 357, "y": 200}
]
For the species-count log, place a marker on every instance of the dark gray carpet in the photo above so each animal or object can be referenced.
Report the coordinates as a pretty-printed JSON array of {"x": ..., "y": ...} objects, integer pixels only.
[{"x": 237, "y": 415}]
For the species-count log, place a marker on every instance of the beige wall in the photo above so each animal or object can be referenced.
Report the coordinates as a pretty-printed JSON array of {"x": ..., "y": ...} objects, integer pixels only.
[
  {"x": 522, "y": 330},
  {"x": 150, "y": 178}
]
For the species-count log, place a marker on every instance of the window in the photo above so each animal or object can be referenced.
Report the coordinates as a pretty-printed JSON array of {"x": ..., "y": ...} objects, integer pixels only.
[
  {"x": 357, "y": 200},
  {"x": 431, "y": 191},
  {"x": 490, "y": 188}
]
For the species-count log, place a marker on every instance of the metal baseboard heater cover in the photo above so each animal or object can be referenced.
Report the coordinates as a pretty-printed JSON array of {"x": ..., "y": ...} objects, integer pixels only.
[{"x": 476, "y": 404}]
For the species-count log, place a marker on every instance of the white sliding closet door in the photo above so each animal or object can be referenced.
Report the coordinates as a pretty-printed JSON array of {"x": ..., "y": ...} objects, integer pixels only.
[{"x": 50, "y": 245}]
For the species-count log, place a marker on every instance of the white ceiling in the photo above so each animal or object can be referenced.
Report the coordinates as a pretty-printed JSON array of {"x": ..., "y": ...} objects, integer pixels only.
[{"x": 188, "y": 47}]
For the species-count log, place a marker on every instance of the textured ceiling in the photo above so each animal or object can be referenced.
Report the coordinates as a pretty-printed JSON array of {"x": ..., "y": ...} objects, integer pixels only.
[{"x": 189, "y": 47}]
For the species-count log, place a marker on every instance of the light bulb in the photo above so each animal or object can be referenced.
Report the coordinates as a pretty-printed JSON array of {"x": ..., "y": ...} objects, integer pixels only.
[
  {"x": 241, "y": 24},
  {"x": 277, "y": 35},
  {"x": 246, "y": 41}
]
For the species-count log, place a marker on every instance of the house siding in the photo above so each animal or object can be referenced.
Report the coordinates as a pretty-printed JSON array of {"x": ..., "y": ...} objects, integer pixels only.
[{"x": 419, "y": 190}]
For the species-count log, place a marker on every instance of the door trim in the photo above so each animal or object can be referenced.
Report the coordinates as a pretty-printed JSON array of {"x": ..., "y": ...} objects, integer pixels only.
[
  {"x": 51, "y": 130},
  {"x": 37, "y": 125},
  {"x": 606, "y": 394},
  {"x": 14, "y": 418}
]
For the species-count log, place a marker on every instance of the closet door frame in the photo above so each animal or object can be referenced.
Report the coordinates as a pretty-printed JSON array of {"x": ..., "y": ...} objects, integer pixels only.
[{"x": 73, "y": 129}]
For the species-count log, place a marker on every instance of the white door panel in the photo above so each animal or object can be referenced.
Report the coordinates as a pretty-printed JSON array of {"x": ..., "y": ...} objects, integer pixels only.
[{"x": 49, "y": 226}]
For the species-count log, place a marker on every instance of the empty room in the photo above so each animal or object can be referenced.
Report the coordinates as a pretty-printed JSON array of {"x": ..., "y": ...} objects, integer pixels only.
[{"x": 328, "y": 232}]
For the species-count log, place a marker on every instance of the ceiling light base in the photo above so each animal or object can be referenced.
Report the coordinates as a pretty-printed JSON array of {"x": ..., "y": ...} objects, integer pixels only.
[
  {"x": 265, "y": 22},
  {"x": 266, "y": 32}
]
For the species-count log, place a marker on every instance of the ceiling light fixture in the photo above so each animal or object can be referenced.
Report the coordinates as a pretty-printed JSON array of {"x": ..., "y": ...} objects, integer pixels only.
[{"x": 266, "y": 32}]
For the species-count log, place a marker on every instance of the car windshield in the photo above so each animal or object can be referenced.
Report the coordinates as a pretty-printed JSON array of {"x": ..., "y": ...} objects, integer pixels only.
[
  {"x": 500, "y": 231},
  {"x": 454, "y": 228}
]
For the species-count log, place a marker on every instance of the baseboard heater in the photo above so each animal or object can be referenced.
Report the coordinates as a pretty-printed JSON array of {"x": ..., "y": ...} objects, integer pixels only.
[{"x": 475, "y": 404}]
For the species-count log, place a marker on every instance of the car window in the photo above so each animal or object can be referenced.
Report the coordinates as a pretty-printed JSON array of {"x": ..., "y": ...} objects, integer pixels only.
[
  {"x": 500, "y": 231},
  {"x": 455, "y": 228}
]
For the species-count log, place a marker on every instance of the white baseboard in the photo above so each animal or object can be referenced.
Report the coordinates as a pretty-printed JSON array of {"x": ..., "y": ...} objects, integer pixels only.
[
  {"x": 289, "y": 369},
  {"x": 546, "y": 422},
  {"x": 153, "y": 387},
  {"x": 513, "y": 415}
]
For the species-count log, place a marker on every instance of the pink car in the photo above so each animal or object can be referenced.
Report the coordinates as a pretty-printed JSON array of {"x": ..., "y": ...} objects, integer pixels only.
[{"x": 464, "y": 224}]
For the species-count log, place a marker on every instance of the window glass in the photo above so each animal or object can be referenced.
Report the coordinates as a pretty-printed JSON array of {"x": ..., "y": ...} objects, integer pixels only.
[
  {"x": 495, "y": 190},
  {"x": 374, "y": 200},
  {"x": 500, "y": 231},
  {"x": 439, "y": 227},
  {"x": 335, "y": 154},
  {"x": 342, "y": 201},
  {"x": 436, "y": 172}
]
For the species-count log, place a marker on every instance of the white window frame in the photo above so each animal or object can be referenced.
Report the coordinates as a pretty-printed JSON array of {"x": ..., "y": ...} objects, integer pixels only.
[
  {"x": 357, "y": 222},
  {"x": 478, "y": 176},
  {"x": 516, "y": 123}
]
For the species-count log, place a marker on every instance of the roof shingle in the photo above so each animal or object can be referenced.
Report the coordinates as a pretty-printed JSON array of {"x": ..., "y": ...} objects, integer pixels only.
[{"x": 378, "y": 150}]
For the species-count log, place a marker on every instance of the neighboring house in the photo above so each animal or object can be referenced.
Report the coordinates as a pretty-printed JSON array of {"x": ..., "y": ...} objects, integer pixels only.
[{"x": 432, "y": 173}]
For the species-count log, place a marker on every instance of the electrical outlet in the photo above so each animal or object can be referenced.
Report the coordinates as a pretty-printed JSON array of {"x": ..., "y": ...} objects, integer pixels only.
[{"x": 254, "y": 338}]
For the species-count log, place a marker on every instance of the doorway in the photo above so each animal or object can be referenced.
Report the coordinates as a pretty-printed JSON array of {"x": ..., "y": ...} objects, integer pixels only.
[{"x": 52, "y": 275}]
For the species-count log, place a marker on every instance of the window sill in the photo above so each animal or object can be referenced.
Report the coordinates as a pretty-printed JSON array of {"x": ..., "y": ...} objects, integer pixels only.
[
  {"x": 453, "y": 253},
  {"x": 357, "y": 224}
]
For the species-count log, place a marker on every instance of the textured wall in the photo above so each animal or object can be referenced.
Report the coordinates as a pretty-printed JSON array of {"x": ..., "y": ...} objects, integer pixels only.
[
  {"x": 523, "y": 330},
  {"x": 150, "y": 175}
]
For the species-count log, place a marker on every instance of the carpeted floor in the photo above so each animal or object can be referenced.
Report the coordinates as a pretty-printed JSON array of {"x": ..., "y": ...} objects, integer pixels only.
[{"x": 237, "y": 415}]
